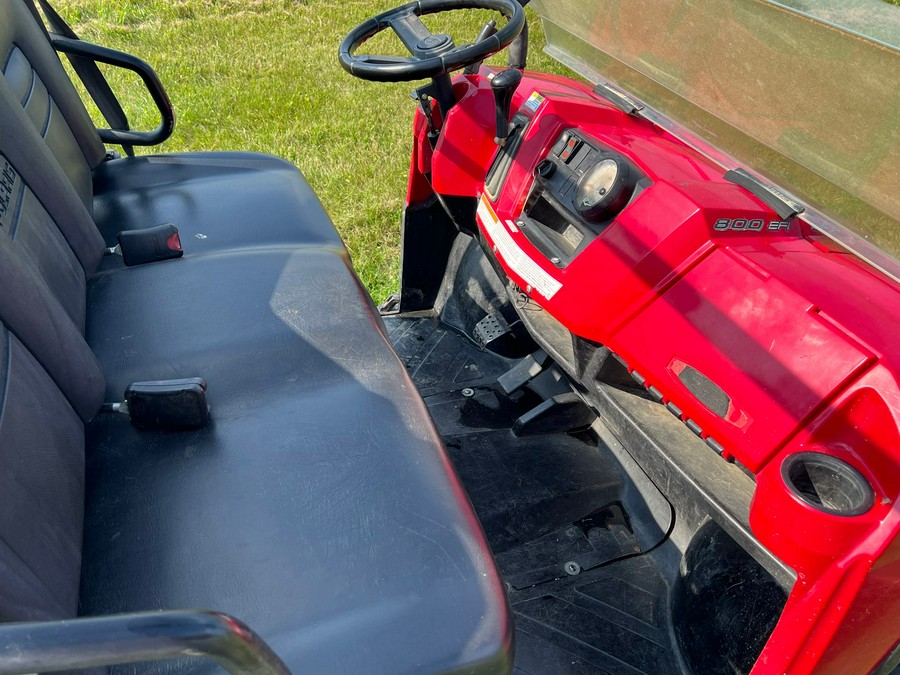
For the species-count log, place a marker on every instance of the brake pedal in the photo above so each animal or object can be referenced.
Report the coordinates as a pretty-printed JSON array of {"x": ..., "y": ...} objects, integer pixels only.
[
  {"x": 562, "y": 413},
  {"x": 523, "y": 372}
]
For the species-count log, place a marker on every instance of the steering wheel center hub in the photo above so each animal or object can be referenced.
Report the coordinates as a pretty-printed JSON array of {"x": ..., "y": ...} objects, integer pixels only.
[{"x": 435, "y": 43}]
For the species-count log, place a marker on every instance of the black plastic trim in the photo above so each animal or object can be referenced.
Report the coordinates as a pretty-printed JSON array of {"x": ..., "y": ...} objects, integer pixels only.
[
  {"x": 891, "y": 663},
  {"x": 427, "y": 236},
  {"x": 783, "y": 205},
  {"x": 503, "y": 160},
  {"x": 835, "y": 468}
]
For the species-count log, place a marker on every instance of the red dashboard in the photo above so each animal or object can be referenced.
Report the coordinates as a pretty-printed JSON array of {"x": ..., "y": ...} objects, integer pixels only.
[{"x": 769, "y": 343}]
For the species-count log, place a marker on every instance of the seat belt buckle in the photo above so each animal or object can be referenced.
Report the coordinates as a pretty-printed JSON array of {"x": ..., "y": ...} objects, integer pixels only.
[
  {"x": 167, "y": 404},
  {"x": 150, "y": 244}
]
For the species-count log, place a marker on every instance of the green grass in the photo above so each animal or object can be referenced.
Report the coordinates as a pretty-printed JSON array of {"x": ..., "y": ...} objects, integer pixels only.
[{"x": 263, "y": 75}]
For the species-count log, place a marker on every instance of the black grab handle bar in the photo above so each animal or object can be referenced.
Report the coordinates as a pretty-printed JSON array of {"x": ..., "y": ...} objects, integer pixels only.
[{"x": 119, "y": 59}]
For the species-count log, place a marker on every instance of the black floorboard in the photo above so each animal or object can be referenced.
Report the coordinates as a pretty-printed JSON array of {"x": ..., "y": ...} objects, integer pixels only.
[{"x": 545, "y": 501}]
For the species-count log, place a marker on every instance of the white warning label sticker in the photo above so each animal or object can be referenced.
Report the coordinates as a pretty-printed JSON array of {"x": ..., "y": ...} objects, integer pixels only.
[
  {"x": 514, "y": 257},
  {"x": 534, "y": 102}
]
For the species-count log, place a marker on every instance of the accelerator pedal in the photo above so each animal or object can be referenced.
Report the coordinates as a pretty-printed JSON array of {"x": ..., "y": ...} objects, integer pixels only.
[{"x": 491, "y": 330}]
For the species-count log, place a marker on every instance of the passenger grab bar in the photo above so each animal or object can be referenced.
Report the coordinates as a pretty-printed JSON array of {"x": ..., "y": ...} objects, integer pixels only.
[
  {"x": 151, "y": 80},
  {"x": 53, "y": 646}
]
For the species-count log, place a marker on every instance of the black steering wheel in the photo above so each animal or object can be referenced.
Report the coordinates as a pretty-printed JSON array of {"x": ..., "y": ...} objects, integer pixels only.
[{"x": 433, "y": 55}]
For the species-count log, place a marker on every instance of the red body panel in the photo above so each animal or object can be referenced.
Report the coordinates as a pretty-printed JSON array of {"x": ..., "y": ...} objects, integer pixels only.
[{"x": 804, "y": 339}]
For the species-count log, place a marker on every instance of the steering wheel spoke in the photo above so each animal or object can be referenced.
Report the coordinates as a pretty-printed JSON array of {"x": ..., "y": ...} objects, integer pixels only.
[
  {"x": 412, "y": 32},
  {"x": 378, "y": 60}
]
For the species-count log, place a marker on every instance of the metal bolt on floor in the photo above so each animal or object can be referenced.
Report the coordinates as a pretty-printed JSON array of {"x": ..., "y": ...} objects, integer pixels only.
[{"x": 572, "y": 568}]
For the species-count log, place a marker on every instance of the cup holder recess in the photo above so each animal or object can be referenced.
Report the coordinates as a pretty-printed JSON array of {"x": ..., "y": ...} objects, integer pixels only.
[{"x": 827, "y": 484}]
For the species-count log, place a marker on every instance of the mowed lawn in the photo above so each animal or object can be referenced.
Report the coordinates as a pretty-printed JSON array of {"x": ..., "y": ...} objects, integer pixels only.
[{"x": 263, "y": 75}]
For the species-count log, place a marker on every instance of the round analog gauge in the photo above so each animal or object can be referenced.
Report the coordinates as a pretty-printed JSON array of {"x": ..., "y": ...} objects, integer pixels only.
[{"x": 603, "y": 190}]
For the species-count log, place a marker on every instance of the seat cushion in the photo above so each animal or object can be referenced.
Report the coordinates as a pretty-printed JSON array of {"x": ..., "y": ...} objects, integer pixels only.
[
  {"x": 318, "y": 506},
  {"x": 218, "y": 200}
]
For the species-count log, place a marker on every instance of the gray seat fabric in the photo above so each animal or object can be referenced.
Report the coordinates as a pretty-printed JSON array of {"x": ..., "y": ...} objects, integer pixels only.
[
  {"x": 50, "y": 382},
  {"x": 31, "y": 313},
  {"x": 30, "y": 169},
  {"x": 42, "y": 482},
  {"x": 319, "y": 505}
]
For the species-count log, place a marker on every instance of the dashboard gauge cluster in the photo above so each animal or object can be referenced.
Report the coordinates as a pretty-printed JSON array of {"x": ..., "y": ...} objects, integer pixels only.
[{"x": 580, "y": 187}]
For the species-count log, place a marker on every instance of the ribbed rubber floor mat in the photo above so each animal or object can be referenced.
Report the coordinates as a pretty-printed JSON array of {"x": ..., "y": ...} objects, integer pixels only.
[{"x": 540, "y": 500}]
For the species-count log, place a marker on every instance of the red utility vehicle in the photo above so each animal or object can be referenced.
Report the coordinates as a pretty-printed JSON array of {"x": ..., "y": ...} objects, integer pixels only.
[{"x": 646, "y": 411}]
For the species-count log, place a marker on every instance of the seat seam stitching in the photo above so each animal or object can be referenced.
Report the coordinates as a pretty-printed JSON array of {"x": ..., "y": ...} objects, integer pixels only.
[
  {"x": 30, "y": 94},
  {"x": 46, "y": 128},
  {"x": 276, "y": 248},
  {"x": 4, "y": 390},
  {"x": 12, "y": 49}
]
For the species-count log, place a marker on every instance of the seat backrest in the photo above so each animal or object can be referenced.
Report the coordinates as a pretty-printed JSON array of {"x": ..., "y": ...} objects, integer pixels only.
[
  {"x": 42, "y": 213},
  {"x": 40, "y": 84},
  {"x": 50, "y": 382},
  {"x": 42, "y": 482}
]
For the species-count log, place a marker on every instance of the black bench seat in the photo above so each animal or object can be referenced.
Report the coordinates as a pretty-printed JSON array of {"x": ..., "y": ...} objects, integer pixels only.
[{"x": 318, "y": 506}]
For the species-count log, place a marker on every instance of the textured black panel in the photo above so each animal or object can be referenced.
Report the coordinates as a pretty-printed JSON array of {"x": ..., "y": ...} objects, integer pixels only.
[
  {"x": 707, "y": 392},
  {"x": 440, "y": 359},
  {"x": 725, "y": 605}
]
